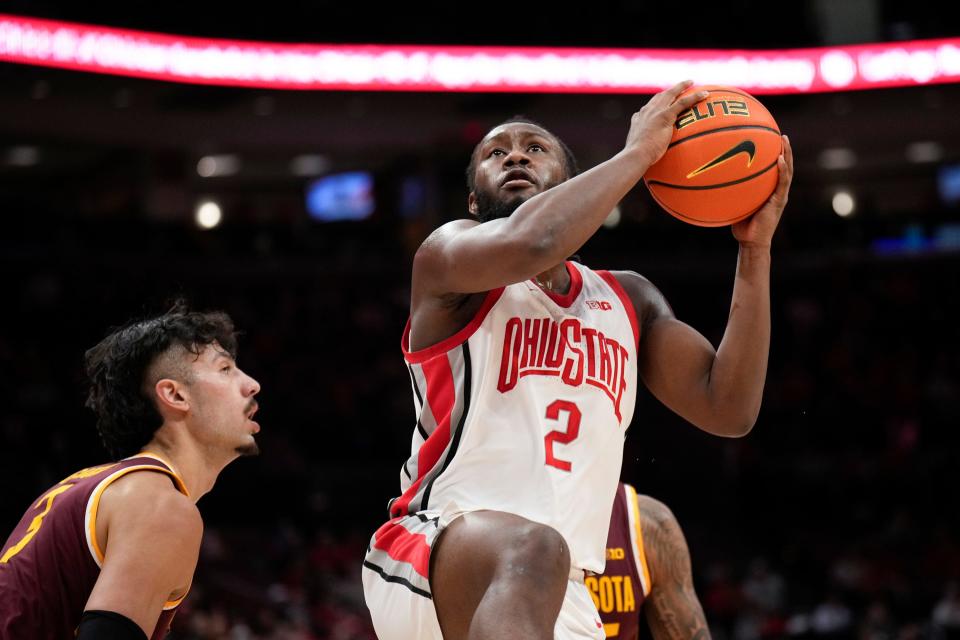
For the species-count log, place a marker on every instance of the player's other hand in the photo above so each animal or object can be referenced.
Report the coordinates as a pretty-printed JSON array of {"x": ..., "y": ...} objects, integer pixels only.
[
  {"x": 651, "y": 128},
  {"x": 757, "y": 230}
]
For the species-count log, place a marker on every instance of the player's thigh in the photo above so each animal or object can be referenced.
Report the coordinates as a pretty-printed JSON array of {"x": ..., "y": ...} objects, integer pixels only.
[{"x": 523, "y": 561}]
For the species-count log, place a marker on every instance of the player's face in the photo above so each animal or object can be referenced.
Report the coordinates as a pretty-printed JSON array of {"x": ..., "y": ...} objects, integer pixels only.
[
  {"x": 514, "y": 162},
  {"x": 223, "y": 404}
]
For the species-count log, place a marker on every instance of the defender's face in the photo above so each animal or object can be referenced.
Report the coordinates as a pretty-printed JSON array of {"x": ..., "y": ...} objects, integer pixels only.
[
  {"x": 223, "y": 402},
  {"x": 515, "y": 162}
]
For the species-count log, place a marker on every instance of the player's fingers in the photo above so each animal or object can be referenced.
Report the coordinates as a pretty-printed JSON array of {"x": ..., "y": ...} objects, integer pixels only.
[
  {"x": 783, "y": 180},
  {"x": 684, "y": 103},
  {"x": 668, "y": 96},
  {"x": 785, "y": 167},
  {"x": 788, "y": 154},
  {"x": 677, "y": 89}
]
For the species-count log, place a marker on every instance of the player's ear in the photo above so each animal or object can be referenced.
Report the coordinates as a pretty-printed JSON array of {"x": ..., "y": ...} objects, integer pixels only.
[
  {"x": 472, "y": 204},
  {"x": 170, "y": 395}
]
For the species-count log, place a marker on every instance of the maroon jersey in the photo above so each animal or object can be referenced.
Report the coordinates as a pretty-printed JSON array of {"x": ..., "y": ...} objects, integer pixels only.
[
  {"x": 51, "y": 561},
  {"x": 619, "y": 593}
]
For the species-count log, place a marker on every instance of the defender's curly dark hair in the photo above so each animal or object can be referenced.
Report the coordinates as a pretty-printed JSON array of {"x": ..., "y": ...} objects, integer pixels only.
[
  {"x": 127, "y": 416},
  {"x": 569, "y": 160}
]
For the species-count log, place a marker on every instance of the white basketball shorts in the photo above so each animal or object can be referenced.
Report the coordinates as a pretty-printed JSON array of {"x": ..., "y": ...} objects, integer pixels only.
[{"x": 396, "y": 585}]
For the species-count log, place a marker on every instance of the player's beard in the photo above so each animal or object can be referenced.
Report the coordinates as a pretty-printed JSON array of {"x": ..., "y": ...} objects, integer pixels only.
[
  {"x": 247, "y": 450},
  {"x": 490, "y": 208}
]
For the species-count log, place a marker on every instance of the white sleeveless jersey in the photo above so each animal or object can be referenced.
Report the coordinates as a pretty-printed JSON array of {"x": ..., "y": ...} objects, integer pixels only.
[{"x": 525, "y": 410}]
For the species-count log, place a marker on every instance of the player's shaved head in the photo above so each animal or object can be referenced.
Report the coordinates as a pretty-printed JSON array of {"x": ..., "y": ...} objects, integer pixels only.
[{"x": 172, "y": 364}]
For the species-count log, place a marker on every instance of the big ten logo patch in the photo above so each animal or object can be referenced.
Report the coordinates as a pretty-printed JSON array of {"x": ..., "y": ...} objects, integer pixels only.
[{"x": 599, "y": 305}]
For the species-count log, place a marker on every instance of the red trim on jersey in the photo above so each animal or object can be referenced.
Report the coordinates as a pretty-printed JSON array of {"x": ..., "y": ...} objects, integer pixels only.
[
  {"x": 416, "y": 357},
  {"x": 441, "y": 398},
  {"x": 403, "y": 546},
  {"x": 402, "y": 504},
  {"x": 576, "y": 285},
  {"x": 625, "y": 300}
]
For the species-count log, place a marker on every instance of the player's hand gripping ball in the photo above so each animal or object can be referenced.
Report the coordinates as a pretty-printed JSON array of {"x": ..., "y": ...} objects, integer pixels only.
[{"x": 721, "y": 165}]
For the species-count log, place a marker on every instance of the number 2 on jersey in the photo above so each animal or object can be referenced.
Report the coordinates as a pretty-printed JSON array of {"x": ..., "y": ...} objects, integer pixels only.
[{"x": 566, "y": 436}]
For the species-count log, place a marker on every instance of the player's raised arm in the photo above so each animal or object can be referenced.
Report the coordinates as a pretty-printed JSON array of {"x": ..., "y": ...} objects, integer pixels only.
[
  {"x": 519, "y": 236},
  {"x": 152, "y": 539},
  {"x": 672, "y": 609},
  {"x": 719, "y": 390}
]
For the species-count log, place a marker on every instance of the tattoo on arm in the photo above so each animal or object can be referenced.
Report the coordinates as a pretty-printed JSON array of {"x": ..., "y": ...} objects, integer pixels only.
[{"x": 672, "y": 608}]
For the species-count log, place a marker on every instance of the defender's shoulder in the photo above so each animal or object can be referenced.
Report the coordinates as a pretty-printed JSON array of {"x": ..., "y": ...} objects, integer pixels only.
[
  {"x": 149, "y": 498},
  {"x": 654, "y": 513}
]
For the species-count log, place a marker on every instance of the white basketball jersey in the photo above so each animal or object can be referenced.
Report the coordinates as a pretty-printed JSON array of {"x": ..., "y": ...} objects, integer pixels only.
[{"x": 525, "y": 410}]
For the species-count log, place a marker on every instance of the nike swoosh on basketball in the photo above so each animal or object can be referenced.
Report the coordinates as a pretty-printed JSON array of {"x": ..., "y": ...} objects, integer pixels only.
[{"x": 745, "y": 146}]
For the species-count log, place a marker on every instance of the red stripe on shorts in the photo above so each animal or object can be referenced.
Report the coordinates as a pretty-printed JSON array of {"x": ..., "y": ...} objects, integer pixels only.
[{"x": 403, "y": 546}]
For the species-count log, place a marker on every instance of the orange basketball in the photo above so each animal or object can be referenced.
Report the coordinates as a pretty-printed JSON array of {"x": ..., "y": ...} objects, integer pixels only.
[{"x": 721, "y": 165}]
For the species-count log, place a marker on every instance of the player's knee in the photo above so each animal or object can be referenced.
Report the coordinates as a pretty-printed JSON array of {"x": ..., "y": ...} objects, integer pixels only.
[{"x": 536, "y": 553}]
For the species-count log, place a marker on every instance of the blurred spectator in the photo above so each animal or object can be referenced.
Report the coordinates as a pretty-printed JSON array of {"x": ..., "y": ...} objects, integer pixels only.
[
  {"x": 763, "y": 588},
  {"x": 946, "y": 615},
  {"x": 831, "y": 618},
  {"x": 877, "y": 624}
]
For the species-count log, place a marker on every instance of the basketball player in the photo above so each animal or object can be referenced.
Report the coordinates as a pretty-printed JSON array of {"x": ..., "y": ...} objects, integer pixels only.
[
  {"x": 524, "y": 369},
  {"x": 648, "y": 569},
  {"x": 109, "y": 552}
]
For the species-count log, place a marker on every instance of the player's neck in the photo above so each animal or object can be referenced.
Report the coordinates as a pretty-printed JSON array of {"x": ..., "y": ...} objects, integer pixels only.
[
  {"x": 555, "y": 279},
  {"x": 189, "y": 463}
]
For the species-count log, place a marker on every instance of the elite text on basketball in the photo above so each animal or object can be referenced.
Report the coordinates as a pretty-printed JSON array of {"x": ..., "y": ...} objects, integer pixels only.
[{"x": 708, "y": 110}]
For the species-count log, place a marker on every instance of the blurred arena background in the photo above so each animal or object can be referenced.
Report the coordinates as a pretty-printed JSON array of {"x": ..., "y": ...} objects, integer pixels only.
[{"x": 837, "y": 517}]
